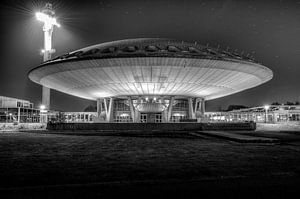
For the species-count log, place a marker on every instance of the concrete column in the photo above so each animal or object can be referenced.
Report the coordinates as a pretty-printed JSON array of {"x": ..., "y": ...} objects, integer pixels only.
[
  {"x": 202, "y": 107},
  {"x": 19, "y": 114},
  {"x": 165, "y": 112},
  {"x": 99, "y": 106},
  {"x": 170, "y": 108},
  {"x": 137, "y": 116},
  {"x": 131, "y": 109},
  {"x": 110, "y": 112},
  {"x": 137, "y": 113},
  {"x": 191, "y": 109},
  {"x": 196, "y": 108},
  {"x": 105, "y": 107},
  {"x": 46, "y": 97}
]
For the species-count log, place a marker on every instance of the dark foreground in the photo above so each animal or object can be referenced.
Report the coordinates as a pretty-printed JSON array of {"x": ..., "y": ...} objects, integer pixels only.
[{"x": 67, "y": 166}]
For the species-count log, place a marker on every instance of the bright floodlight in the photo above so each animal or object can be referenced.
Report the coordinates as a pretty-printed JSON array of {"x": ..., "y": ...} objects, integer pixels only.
[
  {"x": 267, "y": 107},
  {"x": 47, "y": 20},
  {"x": 42, "y": 107}
]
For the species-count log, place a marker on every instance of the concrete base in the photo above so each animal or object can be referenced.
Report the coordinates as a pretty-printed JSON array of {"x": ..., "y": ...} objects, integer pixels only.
[{"x": 151, "y": 126}]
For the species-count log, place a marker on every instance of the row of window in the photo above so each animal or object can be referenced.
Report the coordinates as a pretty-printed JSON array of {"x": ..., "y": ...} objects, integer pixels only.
[{"x": 153, "y": 49}]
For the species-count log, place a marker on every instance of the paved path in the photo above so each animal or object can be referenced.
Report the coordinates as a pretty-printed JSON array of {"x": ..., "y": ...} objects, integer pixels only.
[{"x": 237, "y": 137}]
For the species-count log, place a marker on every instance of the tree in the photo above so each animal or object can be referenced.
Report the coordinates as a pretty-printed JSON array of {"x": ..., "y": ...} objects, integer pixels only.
[
  {"x": 275, "y": 103},
  {"x": 235, "y": 107},
  {"x": 90, "y": 108},
  {"x": 289, "y": 103}
]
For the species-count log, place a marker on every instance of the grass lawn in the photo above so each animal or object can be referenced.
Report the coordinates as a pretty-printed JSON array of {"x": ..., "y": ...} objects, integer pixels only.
[{"x": 33, "y": 164}]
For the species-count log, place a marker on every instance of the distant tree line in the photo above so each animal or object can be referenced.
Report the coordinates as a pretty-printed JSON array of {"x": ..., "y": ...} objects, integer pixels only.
[
  {"x": 287, "y": 103},
  {"x": 90, "y": 108},
  {"x": 237, "y": 107}
]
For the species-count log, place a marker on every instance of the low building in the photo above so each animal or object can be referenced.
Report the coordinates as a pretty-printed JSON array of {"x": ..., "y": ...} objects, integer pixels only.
[
  {"x": 73, "y": 117},
  {"x": 261, "y": 114},
  {"x": 17, "y": 110}
]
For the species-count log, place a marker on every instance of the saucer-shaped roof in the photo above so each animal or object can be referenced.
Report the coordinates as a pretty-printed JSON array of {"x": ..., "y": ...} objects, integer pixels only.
[{"x": 150, "y": 67}]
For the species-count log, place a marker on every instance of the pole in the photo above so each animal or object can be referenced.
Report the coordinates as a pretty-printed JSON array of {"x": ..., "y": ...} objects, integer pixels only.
[{"x": 47, "y": 17}]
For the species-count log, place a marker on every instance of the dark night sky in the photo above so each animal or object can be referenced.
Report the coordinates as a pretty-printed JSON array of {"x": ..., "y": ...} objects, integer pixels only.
[{"x": 270, "y": 29}]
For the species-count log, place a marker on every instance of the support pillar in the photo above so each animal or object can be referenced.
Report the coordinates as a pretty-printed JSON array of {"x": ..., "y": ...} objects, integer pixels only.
[
  {"x": 99, "y": 106},
  {"x": 165, "y": 112},
  {"x": 46, "y": 97},
  {"x": 196, "y": 108},
  {"x": 19, "y": 114},
  {"x": 110, "y": 111},
  {"x": 202, "y": 107},
  {"x": 131, "y": 109},
  {"x": 191, "y": 110},
  {"x": 137, "y": 113},
  {"x": 105, "y": 107},
  {"x": 170, "y": 108}
]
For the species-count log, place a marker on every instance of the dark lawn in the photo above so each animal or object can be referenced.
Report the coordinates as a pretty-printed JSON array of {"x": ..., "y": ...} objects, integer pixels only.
[{"x": 141, "y": 165}]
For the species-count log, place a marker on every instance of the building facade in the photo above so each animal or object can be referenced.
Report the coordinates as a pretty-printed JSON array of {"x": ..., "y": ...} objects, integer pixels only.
[
  {"x": 17, "y": 110},
  {"x": 272, "y": 114},
  {"x": 150, "y": 80}
]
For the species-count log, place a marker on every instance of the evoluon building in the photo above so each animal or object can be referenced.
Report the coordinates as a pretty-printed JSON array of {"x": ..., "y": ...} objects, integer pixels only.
[{"x": 150, "y": 80}]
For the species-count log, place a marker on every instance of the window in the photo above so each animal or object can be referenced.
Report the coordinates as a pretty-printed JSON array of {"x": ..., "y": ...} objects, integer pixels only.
[
  {"x": 193, "y": 50},
  {"x": 151, "y": 48},
  {"x": 173, "y": 49},
  {"x": 143, "y": 118},
  {"x": 91, "y": 52},
  {"x": 158, "y": 118},
  {"x": 130, "y": 49},
  {"x": 109, "y": 50}
]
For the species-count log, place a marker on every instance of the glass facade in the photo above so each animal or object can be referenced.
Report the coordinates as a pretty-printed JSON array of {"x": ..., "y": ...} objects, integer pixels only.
[
  {"x": 275, "y": 114},
  {"x": 22, "y": 115}
]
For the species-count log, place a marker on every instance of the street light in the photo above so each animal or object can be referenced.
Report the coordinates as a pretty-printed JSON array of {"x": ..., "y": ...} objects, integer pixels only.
[
  {"x": 43, "y": 114},
  {"x": 10, "y": 114},
  {"x": 42, "y": 107},
  {"x": 266, "y": 113},
  {"x": 47, "y": 17}
]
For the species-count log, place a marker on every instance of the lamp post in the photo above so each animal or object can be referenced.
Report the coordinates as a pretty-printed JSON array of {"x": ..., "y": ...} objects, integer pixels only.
[
  {"x": 266, "y": 113},
  {"x": 10, "y": 114},
  {"x": 43, "y": 115},
  {"x": 47, "y": 17}
]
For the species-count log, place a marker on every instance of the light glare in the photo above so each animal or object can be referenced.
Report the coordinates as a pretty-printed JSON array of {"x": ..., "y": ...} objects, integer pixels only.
[{"x": 47, "y": 20}]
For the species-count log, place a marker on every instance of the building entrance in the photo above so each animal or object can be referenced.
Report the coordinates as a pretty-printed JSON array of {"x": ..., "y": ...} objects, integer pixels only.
[{"x": 151, "y": 118}]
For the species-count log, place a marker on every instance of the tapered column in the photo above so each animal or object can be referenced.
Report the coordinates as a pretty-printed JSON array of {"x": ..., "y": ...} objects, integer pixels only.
[
  {"x": 131, "y": 109},
  {"x": 99, "y": 106},
  {"x": 105, "y": 107},
  {"x": 202, "y": 105},
  {"x": 170, "y": 108},
  {"x": 165, "y": 112},
  {"x": 110, "y": 111},
  {"x": 46, "y": 97},
  {"x": 191, "y": 109},
  {"x": 19, "y": 114}
]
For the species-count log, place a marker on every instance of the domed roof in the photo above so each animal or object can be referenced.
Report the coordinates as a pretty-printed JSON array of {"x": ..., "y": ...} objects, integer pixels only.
[
  {"x": 150, "y": 66},
  {"x": 149, "y": 47}
]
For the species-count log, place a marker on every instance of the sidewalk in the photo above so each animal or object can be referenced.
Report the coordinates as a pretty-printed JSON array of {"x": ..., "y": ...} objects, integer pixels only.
[{"x": 233, "y": 136}]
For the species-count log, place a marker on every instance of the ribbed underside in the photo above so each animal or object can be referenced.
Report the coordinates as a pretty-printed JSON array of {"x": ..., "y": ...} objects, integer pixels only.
[{"x": 209, "y": 79}]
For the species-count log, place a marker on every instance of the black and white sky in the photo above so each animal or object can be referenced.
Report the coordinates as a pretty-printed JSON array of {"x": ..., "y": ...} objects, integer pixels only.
[{"x": 270, "y": 30}]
